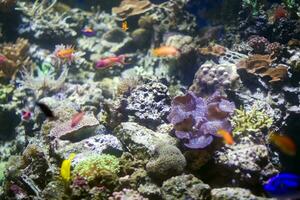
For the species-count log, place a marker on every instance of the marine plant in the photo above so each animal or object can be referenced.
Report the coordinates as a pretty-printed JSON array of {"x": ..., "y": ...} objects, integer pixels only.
[
  {"x": 197, "y": 120},
  {"x": 5, "y": 93},
  {"x": 254, "y": 5},
  {"x": 252, "y": 120},
  {"x": 98, "y": 169},
  {"x": 291, "y": 4}
]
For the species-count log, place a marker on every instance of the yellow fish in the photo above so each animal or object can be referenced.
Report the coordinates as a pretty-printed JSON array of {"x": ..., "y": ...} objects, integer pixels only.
[
  {"x": 124, "y": 26},
  {"x": 65, "y": 169}
]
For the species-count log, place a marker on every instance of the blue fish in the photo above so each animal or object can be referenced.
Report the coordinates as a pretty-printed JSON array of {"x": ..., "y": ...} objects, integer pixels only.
[
  {"x": 283, "y": 185},
  {"x": 89, "y": 32}
]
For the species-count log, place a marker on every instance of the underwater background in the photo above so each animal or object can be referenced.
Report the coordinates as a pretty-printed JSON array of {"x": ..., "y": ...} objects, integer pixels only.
[{"x": 149, "y": 99}]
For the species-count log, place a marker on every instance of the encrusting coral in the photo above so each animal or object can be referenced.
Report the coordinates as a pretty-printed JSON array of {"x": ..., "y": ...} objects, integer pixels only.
[
  {"x": 197, "y": 120},
  {"x": 98, "y": 169},
  {"x": 250, "y": 121},
  {"x": 15, "y": 57},
  {"x": 131, "y": 7},
  {"x": 260, "y": 65}
]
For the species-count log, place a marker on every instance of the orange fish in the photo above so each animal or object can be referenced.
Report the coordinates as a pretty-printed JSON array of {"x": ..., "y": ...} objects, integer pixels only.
[
  {"x": 284, "y": 143},
  {"x": 226, "y": 136},
  {"x": 165, "y": 51},
  {"x": 77, "y": 118},
  {"x": 65, "y": 53}
]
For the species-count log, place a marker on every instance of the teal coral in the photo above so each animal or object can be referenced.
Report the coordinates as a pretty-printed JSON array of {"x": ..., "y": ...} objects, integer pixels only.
[
  {"x": 254, "y": 5},
  {"x": 250, "y": 121},
  {"x": 5, "y": 92},
  {"x": 96, "y": 169}
]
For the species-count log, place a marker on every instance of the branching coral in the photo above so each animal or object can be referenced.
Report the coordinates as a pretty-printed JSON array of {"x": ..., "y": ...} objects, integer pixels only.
[
  {"x": 38, "y": 9},
  {"x": 197, "y": 120},
  {"x": 41, "y": 19},
  {"x": 15, "y": 57},
  {"x": 250, "y": 121},
  {"x": 43, "y": 81},
  {"x": 98, "y": 169}
]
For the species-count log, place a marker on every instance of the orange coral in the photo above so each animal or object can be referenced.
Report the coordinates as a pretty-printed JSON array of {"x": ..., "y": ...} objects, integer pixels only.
[
  {"x": 213, "y": 50},
  {"x": 261, "y": 65},
  {"x": 132, "y": 7},
  {"x": 16, "y": 57}
]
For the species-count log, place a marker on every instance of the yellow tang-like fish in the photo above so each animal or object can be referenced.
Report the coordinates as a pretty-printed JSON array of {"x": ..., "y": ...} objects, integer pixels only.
[{"x": 65, "y": 169}]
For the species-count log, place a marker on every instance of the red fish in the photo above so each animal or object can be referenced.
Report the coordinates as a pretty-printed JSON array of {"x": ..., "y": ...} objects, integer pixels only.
[
  {"x": 77, "y": 118},
  {"x": 226, "y": 136},
  {"x": 2, "y": 59},
  {"x": 26, "y": 115},
  {"x": 110, "y": 61}
]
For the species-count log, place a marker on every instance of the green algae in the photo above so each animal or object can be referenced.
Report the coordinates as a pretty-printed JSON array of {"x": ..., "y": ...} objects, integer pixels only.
[{"x": 97, "y": 169}]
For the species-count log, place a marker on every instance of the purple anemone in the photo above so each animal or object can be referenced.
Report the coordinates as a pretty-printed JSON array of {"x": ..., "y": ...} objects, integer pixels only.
[{"x": 197, "y": 120}]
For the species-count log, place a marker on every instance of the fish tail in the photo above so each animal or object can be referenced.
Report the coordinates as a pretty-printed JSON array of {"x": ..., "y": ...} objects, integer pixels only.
[
  {"x": 154, "y": 52},
  {"x": 71, "y": 156}
]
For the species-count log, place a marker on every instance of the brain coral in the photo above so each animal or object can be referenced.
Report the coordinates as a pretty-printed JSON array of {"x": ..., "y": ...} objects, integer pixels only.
[
  {"x": 197, "y": 120},
  {"x": 211, "y": 76},
  {"x": 168, "y": 161}
]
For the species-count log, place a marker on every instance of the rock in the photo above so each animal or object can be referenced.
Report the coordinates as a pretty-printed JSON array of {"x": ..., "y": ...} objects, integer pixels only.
[
  {"x": 85, "y": 128},
  {"x": 168, "y": 161},
  {"x": 148, "y": 103},
  {"x": 139, "y": 140},
  {"x": 93, "y": 145},
  {"x": 185, "y": 187},
  {"x": 150, "y": 190},
  {"x": 243, "y": 164},
  {"x": 233, "y": 194}
]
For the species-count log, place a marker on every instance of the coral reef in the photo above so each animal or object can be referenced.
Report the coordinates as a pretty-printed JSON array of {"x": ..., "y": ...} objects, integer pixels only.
[
  {"x": 150, "y": 127},
  {"x": 167, "y": 161},
  {"x": 197, "y": 120},
  {"x": 15, "y": 57}
]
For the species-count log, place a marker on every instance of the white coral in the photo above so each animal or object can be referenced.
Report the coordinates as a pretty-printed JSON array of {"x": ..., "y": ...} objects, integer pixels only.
[{"x": 43, "y": 81}]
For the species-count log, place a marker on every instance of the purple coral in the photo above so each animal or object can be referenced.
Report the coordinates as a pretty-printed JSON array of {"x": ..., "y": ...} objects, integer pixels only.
[
  {"x": 197, "y": 120},
  {"x": 258, "y": 43}
]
